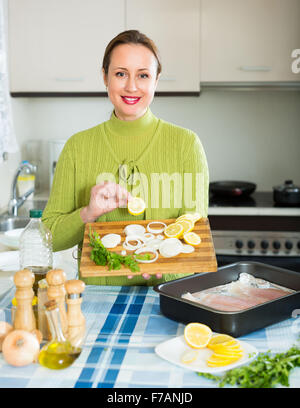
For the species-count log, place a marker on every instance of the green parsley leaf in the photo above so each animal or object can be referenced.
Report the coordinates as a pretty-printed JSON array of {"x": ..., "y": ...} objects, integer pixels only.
[{"x": 101, "y": 256}]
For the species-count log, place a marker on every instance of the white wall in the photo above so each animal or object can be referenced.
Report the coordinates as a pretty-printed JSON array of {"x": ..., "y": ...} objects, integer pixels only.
[{"x": 247, "y": 135}]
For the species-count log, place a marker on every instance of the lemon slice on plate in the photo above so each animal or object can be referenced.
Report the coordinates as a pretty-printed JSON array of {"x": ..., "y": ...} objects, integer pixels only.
[
  {"x": 197, "y": 335},
  {"x": 220, "y": 362},
  {"x": 188, "y": 356},
  {"x": 173, "y": 230},
  {"x": 192, "y": 238},
  {"x": 221, "y": 338},
  {"x": 136, "y": 206}
]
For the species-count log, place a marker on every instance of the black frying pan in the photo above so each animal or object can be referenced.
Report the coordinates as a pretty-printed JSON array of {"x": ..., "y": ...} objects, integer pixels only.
[{"x": 232, "y": 188}]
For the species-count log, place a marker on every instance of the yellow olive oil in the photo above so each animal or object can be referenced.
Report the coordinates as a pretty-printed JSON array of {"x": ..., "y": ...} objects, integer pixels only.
[{"x": 58, "y": 355}]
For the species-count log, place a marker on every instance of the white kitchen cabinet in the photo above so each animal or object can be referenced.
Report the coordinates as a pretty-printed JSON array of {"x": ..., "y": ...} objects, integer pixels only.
[
  {"x": 58, "y": 45},
  {"x": 249, "y": 40},
  {"x": 174, "y": 26}
]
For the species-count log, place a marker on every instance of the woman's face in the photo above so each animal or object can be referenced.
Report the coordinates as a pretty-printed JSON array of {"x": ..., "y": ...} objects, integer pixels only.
[{"x": 131, "y": 80}]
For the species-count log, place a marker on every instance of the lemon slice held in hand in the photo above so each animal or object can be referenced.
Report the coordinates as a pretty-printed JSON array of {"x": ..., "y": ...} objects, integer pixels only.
[{"x": 136, "y": 206}]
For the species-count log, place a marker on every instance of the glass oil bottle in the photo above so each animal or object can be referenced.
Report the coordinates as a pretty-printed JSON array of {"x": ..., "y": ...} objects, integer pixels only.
[{"x": 58, "y": 353}]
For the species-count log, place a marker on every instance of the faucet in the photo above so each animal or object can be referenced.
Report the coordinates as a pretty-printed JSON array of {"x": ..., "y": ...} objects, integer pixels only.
[{"x": 16, "y": 202}]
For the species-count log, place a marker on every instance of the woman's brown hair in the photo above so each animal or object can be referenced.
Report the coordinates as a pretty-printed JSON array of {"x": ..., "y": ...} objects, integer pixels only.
[{"x": 130, "y": 37}]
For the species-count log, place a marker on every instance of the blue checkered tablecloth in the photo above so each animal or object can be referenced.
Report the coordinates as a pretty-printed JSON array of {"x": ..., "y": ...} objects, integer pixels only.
[{"x": 124, "y": 324}]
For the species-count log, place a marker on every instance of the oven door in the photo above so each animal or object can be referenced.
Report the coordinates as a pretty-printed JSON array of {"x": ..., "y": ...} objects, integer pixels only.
[{"x": 286, "y": 262}]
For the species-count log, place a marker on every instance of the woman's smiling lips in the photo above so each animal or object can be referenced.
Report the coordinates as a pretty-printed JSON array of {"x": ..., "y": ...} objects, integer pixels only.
[{"x": 131, "y": 100}]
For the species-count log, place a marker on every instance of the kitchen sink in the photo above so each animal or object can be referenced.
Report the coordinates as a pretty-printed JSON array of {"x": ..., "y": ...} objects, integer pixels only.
[{"x": 8, "y": 223}]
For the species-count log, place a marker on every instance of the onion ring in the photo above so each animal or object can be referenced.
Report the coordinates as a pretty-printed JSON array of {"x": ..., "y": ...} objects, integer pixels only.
[
  {"x": 154, "y": 243},
  {"x": 111, "y": 240},
  {"x": 187, "y": 249},
  {"x": 148, "y": 236},
  {"x": 140, "y": 242},
  {"x": 156, "y": 231},
  {"x": 147, "y": 249},
  {"x": 134, "y": 229},
  {"x": 170, "y": 247}
]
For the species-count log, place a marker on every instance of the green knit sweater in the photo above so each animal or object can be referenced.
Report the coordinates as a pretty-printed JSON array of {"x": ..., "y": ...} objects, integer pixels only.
[{"x": 161, "y": 162}]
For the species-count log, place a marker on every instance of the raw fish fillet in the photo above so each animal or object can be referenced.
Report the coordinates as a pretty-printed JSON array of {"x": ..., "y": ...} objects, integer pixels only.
[
  {"x": 259, "y": 294},
  {"x": 226, "y": 302},
  {"x": 239, "y": 295}
]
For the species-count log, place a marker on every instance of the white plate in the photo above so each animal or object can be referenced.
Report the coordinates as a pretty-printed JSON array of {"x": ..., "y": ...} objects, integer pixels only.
[
  {"x": 9, "y": 242},
  {"x": 15, "y": 233},
  {"x": 9, "y": 261},
  {"x": 172, "y": 350}
]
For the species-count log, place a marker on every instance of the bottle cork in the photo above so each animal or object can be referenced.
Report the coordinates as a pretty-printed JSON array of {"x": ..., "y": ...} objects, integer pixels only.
[
  {"x": 56, "y": 279},
  {"x": 24, "y": 316},
  {"x": 76, "y": 319}
]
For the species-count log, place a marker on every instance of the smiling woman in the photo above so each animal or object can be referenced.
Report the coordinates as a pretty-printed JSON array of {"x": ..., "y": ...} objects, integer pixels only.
[
  {"x": 131, "y": 69},
  {"x": 101, "y": 168}
]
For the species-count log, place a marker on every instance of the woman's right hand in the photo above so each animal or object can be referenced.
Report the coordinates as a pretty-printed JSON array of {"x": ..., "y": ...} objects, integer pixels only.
[{"x": 105, "y": 197}]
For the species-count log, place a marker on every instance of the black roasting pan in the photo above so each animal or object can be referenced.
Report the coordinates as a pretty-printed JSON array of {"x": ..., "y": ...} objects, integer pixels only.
[{"x": 233, "y": 323}]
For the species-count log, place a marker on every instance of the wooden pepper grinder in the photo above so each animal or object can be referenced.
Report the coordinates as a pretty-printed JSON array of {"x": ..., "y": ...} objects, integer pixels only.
[
  {"x": 24, "y": 316},
  {"x": 56, "y": 279},
  {"x": 76, "y": 319}
]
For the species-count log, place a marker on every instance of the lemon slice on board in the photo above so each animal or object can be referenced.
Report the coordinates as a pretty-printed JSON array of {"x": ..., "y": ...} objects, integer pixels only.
[
  {"x": 173, "y": 230},
  {"x": 192, "y": 238},
  {"x": 188, "y": 225},
  {"x": 197, "y": 335},
  {"x": 196, "y": 216},
  {"x": 185, "y": 217},
  {"x": 136, "y": 206}
]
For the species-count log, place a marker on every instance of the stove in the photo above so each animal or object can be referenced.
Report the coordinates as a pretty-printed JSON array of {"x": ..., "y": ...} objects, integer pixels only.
[{"x": 255, "y": 228}]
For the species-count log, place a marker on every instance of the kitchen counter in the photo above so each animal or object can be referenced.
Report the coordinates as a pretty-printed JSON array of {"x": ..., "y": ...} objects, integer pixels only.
[
  {"x": 275, "y": 211},
  {"x": 259, "y": 203},
  {"x": 124, "y": 324}
]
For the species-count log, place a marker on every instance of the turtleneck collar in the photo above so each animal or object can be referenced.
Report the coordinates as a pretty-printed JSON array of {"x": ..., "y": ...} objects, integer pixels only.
[{"x": 144, "y": 125}]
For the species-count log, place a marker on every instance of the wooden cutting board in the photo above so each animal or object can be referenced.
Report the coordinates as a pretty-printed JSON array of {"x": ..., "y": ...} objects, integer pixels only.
[{"x": 203, "y": 259}]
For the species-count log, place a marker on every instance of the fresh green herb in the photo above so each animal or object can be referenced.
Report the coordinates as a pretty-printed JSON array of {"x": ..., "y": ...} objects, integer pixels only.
[
  {"x": 265, "y": 371},
  {"x": 101, "y": 256}
]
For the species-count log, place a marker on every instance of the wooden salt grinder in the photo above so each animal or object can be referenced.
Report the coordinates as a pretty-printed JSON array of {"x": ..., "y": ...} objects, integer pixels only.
[
  {"x": 76, "y": 319},
  {"x": 24, "y": 316},
  {"x": 56, "y": 279}
]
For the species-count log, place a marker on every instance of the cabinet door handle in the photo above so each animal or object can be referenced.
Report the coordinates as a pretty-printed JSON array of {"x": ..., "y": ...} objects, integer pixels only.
[
  {"x": 62, "y": 79},
  {"x": 255, "y": 68}
]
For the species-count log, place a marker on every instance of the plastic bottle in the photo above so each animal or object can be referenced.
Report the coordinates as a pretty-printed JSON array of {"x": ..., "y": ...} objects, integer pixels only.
[
  {"x": 36, "y": 248},
  {"x": 26, "y": 181}
]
